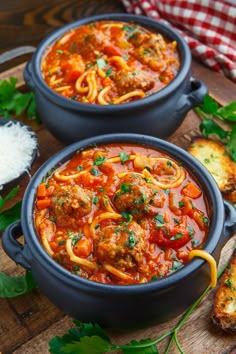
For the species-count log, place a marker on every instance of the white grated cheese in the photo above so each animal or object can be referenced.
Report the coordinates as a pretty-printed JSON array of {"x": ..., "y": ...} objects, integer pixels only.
[{"x": 17, "y": 145}]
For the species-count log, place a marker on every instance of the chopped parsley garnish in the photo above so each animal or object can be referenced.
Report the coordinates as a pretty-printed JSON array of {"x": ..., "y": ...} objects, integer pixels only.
[
  {"x": 60, "y": 243},
  {"x": 181, "y": 204},
  {"x": 75, "y": 237},
  {"x": 141, "y": 200},
  {"x": 124, "y": 157},
  {"x": 129, "y": 28},
  {"x": 89, "y": 65},
  {"x": 127, "y": 216},
  {"x": 95, "y": 172},
  {"x": 108, "y": 72},
  {"x": 191, "y": 231},
  {"x": 176, "y": 220},
  {"x": 125, "y": 188},
  {"x": 176, "y": 236},
  {"x": 159, "y": 220},
  {"x": 79, "y": 168},
  {"x": 99, "y": 160},
  {"x": 76, "y": 267},
  {"x": 195, "y": 243},
  {"x": 131, "y": 239},
  {"x": 176, "y": 265},
  {"x": 95, "y": 200},
  {"x": 205, "y": 219}
]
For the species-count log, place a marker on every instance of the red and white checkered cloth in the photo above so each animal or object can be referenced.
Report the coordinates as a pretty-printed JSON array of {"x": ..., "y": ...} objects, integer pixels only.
[{"x": 208, "y": 26}]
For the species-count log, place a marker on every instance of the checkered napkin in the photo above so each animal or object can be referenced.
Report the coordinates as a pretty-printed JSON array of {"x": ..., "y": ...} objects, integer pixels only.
[{"x": 208, "y": 26}]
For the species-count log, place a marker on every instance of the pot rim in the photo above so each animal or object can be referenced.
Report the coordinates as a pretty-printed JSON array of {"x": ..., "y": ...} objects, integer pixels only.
[
  {"x": 194, "y": 166},
  {"x": 184, "y": 51}
]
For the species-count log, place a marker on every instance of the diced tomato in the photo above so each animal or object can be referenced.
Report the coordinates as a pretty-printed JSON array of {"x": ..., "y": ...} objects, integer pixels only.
[
  {"x": 111, "y": 50},
  {"x": 172, "y": 237}
]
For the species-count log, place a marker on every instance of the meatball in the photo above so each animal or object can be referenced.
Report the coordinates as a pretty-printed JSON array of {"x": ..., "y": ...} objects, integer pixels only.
[
  {"x": 70, "y": 203},
  {"x": 121, "y": 246},
  {"x": 130, "y": 81},
  {"x": 136, "y": 196},
  {"x": 86, "y": 45}
]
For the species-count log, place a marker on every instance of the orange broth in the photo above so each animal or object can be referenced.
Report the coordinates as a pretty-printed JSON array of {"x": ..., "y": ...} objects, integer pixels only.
[
  {"x": 121, "y": 214},
  {"x": 110, "y": 62}
]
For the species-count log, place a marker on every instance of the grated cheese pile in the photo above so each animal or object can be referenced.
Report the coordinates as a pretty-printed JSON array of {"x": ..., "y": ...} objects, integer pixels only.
[{"x": 17, "y": 144}]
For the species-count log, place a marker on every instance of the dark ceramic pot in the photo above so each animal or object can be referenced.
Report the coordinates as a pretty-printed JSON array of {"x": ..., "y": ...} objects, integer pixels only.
[
  {"x": 119, "y": 306},
  {"x": 158, "y": 115}
]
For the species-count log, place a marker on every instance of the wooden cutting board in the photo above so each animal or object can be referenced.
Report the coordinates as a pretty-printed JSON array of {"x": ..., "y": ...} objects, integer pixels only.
[{"x": 28, "y": 322}]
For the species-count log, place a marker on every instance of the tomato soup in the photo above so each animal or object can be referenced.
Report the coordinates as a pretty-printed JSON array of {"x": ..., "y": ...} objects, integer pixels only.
[
  {"x": 110, "y": 62},
  {"x": 121, "y": 214}
]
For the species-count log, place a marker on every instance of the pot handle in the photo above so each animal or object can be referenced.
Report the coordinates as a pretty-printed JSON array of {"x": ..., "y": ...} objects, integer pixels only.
[
  {"x": 230, "y": 220},
  {"x": 28, "y": 76},
  {"x": 13, "y": 248},
  {"x": 194, "y": 97}
]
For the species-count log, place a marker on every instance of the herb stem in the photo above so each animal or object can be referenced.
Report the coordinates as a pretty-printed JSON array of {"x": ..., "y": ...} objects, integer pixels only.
[
  {"x": 173, "y": 333},
  {"x": 200, "y": 113}
]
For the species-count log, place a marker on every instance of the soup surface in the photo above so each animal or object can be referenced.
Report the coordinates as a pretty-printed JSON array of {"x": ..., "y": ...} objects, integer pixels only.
[
  {"x": 110, "y": 63},
  {"x": 121, "y": 214}
]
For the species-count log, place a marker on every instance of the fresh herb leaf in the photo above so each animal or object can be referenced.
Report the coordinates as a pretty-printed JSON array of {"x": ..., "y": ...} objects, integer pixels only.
[
  {"x": 91, "y": 345},
  {"x": 209, "y": 105},
  {"x": 231, "y": 145},
  {"x": 124, "y": 157},
  {"x": 12, "y": 214},
  {"x": 14, "y": 286},
  {"x": 99, "y": 160},
  {"x": 210, "y": 111},
  {"x": 12, "y": 101},
  {"x": 209, "y": 126},
  {"x": 228, "y": 111}
]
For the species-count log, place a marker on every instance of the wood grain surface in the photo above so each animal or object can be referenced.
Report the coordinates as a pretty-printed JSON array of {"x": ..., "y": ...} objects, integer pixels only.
[{"x": 28, "y": 322}]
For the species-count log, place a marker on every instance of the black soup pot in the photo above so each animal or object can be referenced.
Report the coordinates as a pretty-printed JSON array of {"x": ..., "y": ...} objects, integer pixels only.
[
  {"x": 120, "y": 306},
  {"x": 158, "y": 115}
]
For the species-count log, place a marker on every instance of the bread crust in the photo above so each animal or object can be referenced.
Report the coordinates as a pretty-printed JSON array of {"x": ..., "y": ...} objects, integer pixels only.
[
  {"x": 224, "y": 309},
  {"x": 213, "y": 155}
]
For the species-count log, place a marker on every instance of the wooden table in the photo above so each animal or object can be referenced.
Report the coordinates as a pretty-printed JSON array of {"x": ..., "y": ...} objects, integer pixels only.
[{"x": 28, "y": 322}]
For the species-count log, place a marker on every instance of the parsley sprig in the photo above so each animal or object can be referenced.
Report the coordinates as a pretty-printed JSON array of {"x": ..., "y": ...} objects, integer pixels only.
[
  {"x": 90, "y": 338},
  {"x": 14, "y": 102},
  {"x": 12, "y": 214},
  {"x": 13, "y": 286},
  {"x": 212, "y": 114}
]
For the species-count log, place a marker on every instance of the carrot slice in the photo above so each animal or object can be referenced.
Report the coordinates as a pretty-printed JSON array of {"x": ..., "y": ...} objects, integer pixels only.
[
  {"x": 42, "y": 190},
  {"x": 191, "y": 191},
  {"x": 43, "y": 203},
  {"x": 83, "y": 248}
]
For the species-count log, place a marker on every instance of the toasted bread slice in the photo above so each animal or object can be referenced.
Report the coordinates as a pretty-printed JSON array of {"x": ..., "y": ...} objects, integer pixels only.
[
  {"x": 224, "y": 314},
  {"x": 215, "y": 158}
]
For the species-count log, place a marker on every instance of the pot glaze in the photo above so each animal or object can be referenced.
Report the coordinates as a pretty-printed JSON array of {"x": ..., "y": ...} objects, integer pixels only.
[
  {"x": 126, "y": 306},
  {"x": 158, "y": 115}
]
